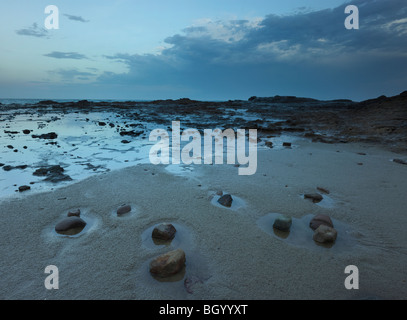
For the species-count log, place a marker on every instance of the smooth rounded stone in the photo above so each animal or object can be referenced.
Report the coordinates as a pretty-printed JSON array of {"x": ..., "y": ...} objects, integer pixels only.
[
  {"x": 74, "y": 213},
  {"x": 283, "y": 222},
  {"x": 123, "y": 210},
  {"x": 226, "y": 200},
  {"x": 325, "y": 234},
  {"x": 168, "y": 264},
  {"x": 320, "y": 219},
  {"x": 164, "y": 231},
  {"x": 315, "y": 197},
  {"x": 70, "y": 226}
]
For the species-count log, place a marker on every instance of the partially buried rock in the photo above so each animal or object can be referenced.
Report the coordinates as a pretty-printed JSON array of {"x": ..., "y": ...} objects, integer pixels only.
[
  {"x": 74, "y": 213},
  {"x": 70, "y": 226},
  {"x": 123, "y": 210},
  {"x": 286, "y": 144},
  {"x": 168, "y": 264},
  {"x": 325, "y": 234},
  {"x": 315, "y": 197},
  {"x": 165, "y": 231},
  {"x": 226, "y": 200},
  {"x": 283, "y": 222},
  {"x": 320, "y": 219}
]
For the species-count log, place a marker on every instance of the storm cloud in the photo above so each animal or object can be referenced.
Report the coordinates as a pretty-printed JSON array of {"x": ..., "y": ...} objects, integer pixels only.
[{"x": 307, "y": 53}]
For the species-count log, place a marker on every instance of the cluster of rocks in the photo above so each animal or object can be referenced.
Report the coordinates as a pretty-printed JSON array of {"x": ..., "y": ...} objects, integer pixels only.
[
  {"x": 52, "y": 173},
  {"x": 322, "y": 225}
]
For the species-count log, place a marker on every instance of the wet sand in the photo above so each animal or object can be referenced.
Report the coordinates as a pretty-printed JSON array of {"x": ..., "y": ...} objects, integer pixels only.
[{"x": 232, "y": 253}]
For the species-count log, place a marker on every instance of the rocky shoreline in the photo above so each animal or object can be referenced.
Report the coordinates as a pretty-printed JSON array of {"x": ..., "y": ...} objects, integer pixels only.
[{"x": 380, "y": 121}]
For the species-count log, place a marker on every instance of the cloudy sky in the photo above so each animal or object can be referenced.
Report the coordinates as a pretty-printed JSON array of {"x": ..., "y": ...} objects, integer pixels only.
[{"x": 206, "y": 50}]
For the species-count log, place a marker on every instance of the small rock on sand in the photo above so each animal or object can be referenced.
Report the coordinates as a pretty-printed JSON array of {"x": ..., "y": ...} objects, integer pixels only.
[
  {"x": 315, "y": 197},
  {"x": 325, "y": 234},
  {"x": 282, "y": 222},
  {"x": 123, "y": 210},
  {"x": 24, "y": 188},
  {"x": 168, "y": 264},
  {"x": 226, "y": 200},
  {"x": 164, "y": 231},
  {"x": 320, "y": 219},
  {"x": 70, "y": 226},
  {"x": 286, "y": 144},
  {"x": 74, "y": 213}
]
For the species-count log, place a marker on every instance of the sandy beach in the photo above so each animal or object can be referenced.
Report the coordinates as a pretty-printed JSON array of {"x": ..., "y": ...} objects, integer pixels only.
[{"x": 231, "y": 253}]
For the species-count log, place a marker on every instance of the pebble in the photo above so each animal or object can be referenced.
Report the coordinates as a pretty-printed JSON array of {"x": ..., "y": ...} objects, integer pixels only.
[
  {"x": 320, "y": 219},
  {"x": 226, "y": 200},
  {"x": 164, "y": 231},
  {"x": 315, "y": 197},
  {"x": 74, "y": 213},
  {"x": 24, "y": 188},
  {"x": 123, "y": 210},
  {"x": 325, "y": 234},
  {"x": 168, "y": 264},
  {"x": 283, "y": 222},
  {"x": 70, "y": 226}
]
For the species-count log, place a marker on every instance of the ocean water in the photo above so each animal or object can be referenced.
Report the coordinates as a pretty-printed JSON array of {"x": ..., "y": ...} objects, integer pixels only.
[{"x": 83, "y": 147}]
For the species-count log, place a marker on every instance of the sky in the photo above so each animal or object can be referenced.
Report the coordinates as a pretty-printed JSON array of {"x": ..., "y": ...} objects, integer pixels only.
[{"x": 204, "y": 50}]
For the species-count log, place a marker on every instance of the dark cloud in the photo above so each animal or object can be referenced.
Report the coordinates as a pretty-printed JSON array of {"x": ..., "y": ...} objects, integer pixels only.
[
  {"x": 73, "y": 74},
  {"x": 65, "y": 55},
  {"x": 306, "y": 53},
  {"x": 75, "y": 18},
  {"x": 33, "y": 31}
]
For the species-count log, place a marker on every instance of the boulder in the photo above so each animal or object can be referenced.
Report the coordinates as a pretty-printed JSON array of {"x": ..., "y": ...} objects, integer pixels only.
[
  {"x": 168, "y": 264},
  {"x": 70, "y": 226},
  {"x": 164, "y": 231},
  {"x": 320, "y": 219},
  {"x": 325, "y": 234},
  {"x": 226, "y": 200},
  {"x": 282, "y": 222}
]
